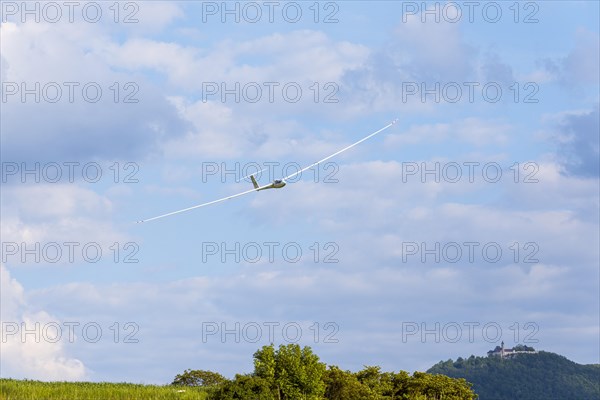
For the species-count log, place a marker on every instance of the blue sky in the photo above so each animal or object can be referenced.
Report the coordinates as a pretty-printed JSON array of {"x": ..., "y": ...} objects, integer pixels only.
[{"x": 377, "y": 260}]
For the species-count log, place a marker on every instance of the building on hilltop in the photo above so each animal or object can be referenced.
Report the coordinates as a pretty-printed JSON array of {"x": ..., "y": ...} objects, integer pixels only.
[{"x": 501, "y": 352}]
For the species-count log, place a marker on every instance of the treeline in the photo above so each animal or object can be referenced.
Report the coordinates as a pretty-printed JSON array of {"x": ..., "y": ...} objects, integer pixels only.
[
  {"x": 294, "y": 373},
  {"x": 542, "y": 376}
]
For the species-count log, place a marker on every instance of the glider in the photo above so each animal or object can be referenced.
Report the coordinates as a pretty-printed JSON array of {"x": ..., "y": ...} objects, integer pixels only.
[{"x": 276, "y": 184}]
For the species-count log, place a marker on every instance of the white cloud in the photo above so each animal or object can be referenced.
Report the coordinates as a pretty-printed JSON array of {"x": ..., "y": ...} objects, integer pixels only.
[
  {"x": 334, "y": 293},
  {"x": 217, "y": 133},
  {"x": 49, "y": 215},
  {"x": 80, "y": 113},
  {"x": 579, "y": 67},
  {"x": 582, "y": 63},
  {"x": 472, "y": 130},
  {"x": 176, "y": 61},
  {"x": 152, "y": 16},
  {"x": 36, "y": 354},
  {"x": 299, "y": 56},
  {"x": 435, "y": 50},
  {"x": 551, "y": 213}
]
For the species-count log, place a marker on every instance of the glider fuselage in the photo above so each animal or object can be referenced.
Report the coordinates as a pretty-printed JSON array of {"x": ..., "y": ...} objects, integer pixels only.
[{"x": 277, "y": 184}]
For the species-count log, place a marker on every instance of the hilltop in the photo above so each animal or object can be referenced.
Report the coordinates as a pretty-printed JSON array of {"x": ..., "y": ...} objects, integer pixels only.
[{"x": 539, "y": 376}]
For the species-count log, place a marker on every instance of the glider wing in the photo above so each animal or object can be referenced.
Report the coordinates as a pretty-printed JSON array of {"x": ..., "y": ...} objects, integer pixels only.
[
  {"x": 341, "y": 151},
  {"x": 202, "y": 205}
]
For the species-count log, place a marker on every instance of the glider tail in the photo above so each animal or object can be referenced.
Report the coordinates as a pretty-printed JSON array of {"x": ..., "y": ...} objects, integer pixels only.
[{"x": 254, "y": 182}]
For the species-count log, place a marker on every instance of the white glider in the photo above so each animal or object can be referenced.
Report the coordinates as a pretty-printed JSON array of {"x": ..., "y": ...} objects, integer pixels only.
[{"x": 277, "y": 183}]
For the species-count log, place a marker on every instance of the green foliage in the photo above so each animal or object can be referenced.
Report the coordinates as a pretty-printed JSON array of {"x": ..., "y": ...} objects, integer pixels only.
[
  {"x": 372, "y": 384},
  {"x": 392, "y": 386},
  {"x": 439, "y": 387},
  {"x": 542, "y": 376},
  {"x": 198, "y": 378},
  {"x": 344, "y": 385},
  {"x": 292, "y": 372},
  {"x": 371, "y": 378},
  {"x": 522, "y": 347},
  {"x": 264, "y": 363},
  {"x": 245, "y": 387}
]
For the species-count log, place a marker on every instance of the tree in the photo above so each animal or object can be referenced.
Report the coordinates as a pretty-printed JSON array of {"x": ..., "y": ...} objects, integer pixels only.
[
  {"x": 343, "y": 385},
  {"x": 400, "y": 383},
  {"x": 380, "y": 384},
  {"x": 522, "y": 347},
  {"x": 440, "y": 387},
  {"x": 245, "y": 387},
  {"x": 293, "y": 373},
  {"x": 198, "y": 378},
  {"x": 264, "y": 363}
]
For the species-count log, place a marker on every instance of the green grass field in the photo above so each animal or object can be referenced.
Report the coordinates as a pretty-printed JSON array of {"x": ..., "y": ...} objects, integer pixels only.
[{"x": 11, "y": 389}]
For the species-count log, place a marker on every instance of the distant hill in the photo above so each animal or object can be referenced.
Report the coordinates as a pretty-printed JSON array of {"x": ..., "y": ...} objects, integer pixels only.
[{"x": 541, "y": 376}]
